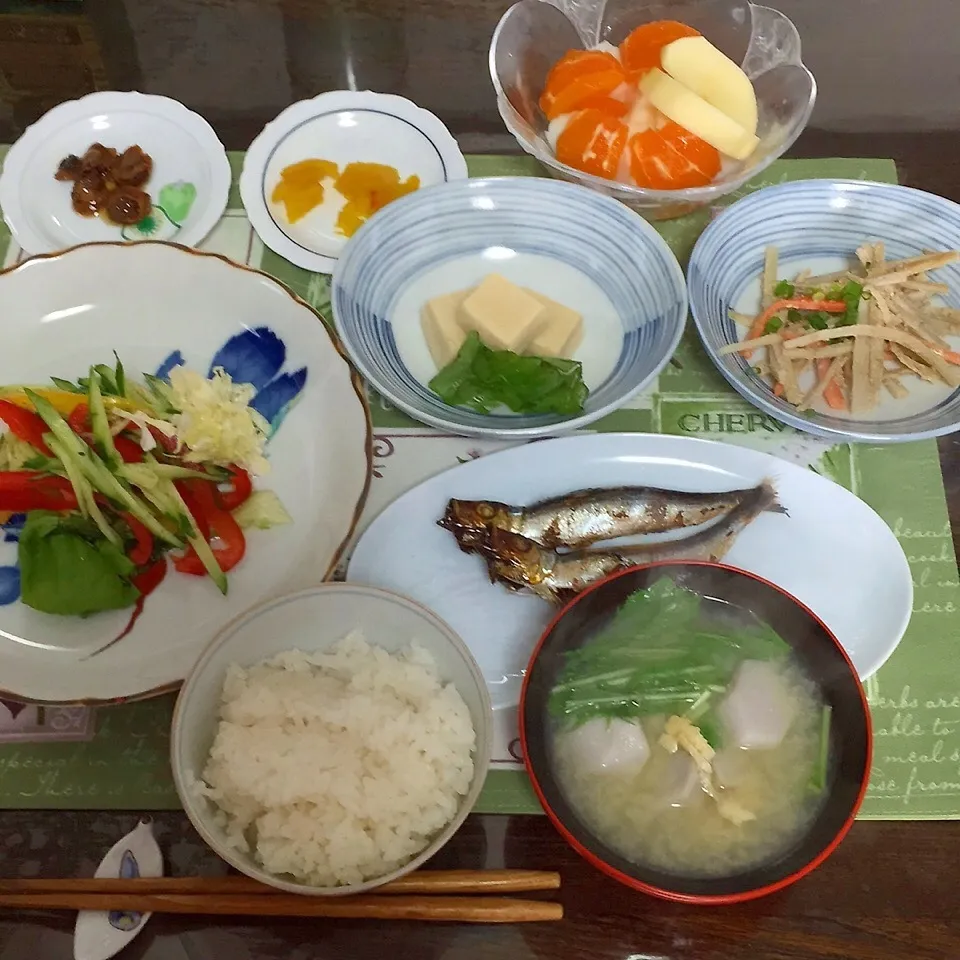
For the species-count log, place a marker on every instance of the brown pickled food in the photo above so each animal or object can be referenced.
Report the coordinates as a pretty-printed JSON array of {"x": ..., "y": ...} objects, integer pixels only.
[
  {"x": 127, "y": 205},
  {"x": 107, "y": 183},
  {"x": 300, "y": 188},
  {"x": 367, "y": 187}
]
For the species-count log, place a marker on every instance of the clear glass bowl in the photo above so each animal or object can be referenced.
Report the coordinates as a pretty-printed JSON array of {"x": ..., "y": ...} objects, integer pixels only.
[{"x": 533, "y": 34}]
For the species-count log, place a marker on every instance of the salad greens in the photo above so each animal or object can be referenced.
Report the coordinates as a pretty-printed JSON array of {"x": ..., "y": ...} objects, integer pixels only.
[
  {"x": 111, "y": 489},
  {"x": 657, "y": 655},
  {"x": 485, "y": 379}
]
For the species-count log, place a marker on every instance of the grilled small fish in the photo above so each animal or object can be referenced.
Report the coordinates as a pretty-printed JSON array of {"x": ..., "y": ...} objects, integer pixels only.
[
  {"x": 521, "y": 564},
  {"x": 585, "y": 517}
]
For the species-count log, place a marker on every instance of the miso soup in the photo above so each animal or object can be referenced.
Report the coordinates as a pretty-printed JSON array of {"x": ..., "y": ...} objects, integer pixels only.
[{"x": 688, "y": 738}]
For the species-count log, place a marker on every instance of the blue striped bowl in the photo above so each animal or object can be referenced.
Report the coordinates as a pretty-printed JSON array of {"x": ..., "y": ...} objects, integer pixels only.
[
  {"x": 821, "y": 222},
  {"x": 578, "y": 228}
]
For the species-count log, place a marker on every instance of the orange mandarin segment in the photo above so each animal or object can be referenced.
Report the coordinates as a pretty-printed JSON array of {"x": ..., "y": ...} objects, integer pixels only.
[
  {"x": 609, "y": 106},
  {"x": 697, "y": 152},
  {"x": 640, "y": 51},
  {"x": 671, "y": 159},
  {"x": 573, "y": 95},
  {"x": 592, "y": 142},
  {"x": 578, "y": 76}
]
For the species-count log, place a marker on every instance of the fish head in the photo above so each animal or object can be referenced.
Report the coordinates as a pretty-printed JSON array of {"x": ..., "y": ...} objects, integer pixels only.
[
  {"x": 471, "y": 521},
  {"x": 514, "y": 558}
]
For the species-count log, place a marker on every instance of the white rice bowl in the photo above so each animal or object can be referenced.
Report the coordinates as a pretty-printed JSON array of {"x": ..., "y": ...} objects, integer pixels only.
[{"x": 338, "y": 767}]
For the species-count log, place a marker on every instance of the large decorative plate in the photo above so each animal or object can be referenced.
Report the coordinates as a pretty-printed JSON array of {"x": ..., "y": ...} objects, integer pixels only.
[
  {"x": 829, "y": 550},
  {"x": 157, "y": 304},
  {"x": 188, "y": 186}
]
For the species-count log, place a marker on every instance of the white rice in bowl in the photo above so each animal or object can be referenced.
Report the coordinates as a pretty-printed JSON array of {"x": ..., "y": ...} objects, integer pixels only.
[{"x": 341, "y": 766}]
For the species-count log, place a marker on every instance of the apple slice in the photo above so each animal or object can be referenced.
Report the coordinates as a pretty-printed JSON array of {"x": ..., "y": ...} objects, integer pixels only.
[
  {"x": 681, "y": 105},
  {"x": 701, "y": 67}
]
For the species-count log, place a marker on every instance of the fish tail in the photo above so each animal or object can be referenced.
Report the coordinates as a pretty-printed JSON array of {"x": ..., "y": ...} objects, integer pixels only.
[{"x": 767, "y": 500}]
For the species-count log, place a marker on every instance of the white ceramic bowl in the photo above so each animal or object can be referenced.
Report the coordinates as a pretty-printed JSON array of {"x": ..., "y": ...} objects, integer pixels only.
[
  {"x": 583, "y": 249},
  {"x": 313, "y": 620},
  {"x": 532, "y": 35}
]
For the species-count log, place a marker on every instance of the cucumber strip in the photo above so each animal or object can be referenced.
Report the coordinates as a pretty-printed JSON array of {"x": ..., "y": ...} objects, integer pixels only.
[
  {"x": 199, "y": 543},
  {"x": 99, "y": 424},
  {"x": 84, "y": 491},
  {"x": 171, "y": 471},
  {"x": 81, "y": 489},
  {"x": 95, "y": 470}
]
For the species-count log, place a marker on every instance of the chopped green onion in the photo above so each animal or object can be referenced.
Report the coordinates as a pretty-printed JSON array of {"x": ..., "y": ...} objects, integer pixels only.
[
  {"x": 794, "y": 316},
  {"x": 784, "y": 290},
  {"x": 818, "y": 319},
  {"x": 773, "y": 325}
]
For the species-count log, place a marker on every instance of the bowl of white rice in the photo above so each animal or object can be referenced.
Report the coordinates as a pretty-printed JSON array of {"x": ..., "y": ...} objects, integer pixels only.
[{"x": 331, "y": 740}]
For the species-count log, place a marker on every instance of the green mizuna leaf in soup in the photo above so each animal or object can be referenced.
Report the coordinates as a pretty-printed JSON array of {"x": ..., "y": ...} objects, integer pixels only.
[
  {"x": 656, "y": 655},
  {"x": 485, "y": 379},
  {"x": 68, "y": 568}
]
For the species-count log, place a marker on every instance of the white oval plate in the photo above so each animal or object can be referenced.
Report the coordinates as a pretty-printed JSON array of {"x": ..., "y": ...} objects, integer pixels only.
[
  {"x": 183, "y": 146},
  {"x": 145, "y": 301},
  {"x": 344, "y": 126},
  {"x": 832, "y": 552}
]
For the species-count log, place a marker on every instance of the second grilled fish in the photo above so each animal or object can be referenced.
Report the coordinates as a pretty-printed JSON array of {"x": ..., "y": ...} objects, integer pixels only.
[
  {"x": 585, "y": 517},
  {"x": 521, "y": 564}
]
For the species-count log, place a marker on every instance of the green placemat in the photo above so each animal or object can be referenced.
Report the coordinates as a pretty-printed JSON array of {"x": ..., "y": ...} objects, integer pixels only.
[{"x": 915, "y": 698}]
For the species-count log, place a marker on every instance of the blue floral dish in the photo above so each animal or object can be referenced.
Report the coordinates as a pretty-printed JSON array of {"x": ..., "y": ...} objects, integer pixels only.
[
  {"x": 576, "y": 246},
  {"x": 156, "y": 306},
  {"x": 818, "y": 225}
]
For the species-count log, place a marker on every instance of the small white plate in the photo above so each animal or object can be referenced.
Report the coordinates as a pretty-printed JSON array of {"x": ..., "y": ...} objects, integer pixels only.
[
  {"x": 344, "y": 126},
  {"x": 185, "y": 152},
  {"x": 832, "y": 552}
]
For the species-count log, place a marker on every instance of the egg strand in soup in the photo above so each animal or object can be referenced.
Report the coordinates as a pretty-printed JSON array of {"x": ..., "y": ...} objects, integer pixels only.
[{"x": 687, "y": 737}]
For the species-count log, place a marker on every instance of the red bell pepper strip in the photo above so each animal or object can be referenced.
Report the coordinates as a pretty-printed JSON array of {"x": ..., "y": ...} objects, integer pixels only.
[
  {"x": 129, "y": 450},
  {"x": 148, "y": 579},
  {"x": 25, "y": 425},
  {"x": 223, "y": 532},
  {"x": 79, "y": 419},
  {"x": 142, "y": 549},
  {"x": 198, "y": 510},
  {"x": 241, "y": 486},
  {"x": 24, "y": 490}
]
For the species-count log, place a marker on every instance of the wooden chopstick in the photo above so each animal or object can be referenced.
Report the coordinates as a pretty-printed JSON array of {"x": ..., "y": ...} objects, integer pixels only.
[
  {"x": 400, "y": 907},
  {"x": 421, "y": 881}
]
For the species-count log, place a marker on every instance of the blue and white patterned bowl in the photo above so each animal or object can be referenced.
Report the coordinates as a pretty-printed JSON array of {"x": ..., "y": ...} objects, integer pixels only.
[
  {"x": 819, "y": 224},
  {"x": 575, "y": 245}
]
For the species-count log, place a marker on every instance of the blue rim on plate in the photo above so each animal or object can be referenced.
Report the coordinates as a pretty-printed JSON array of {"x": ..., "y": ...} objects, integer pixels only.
[
  {"x": 593, "y": 234},
  {"x": 819, "y": 220}
]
